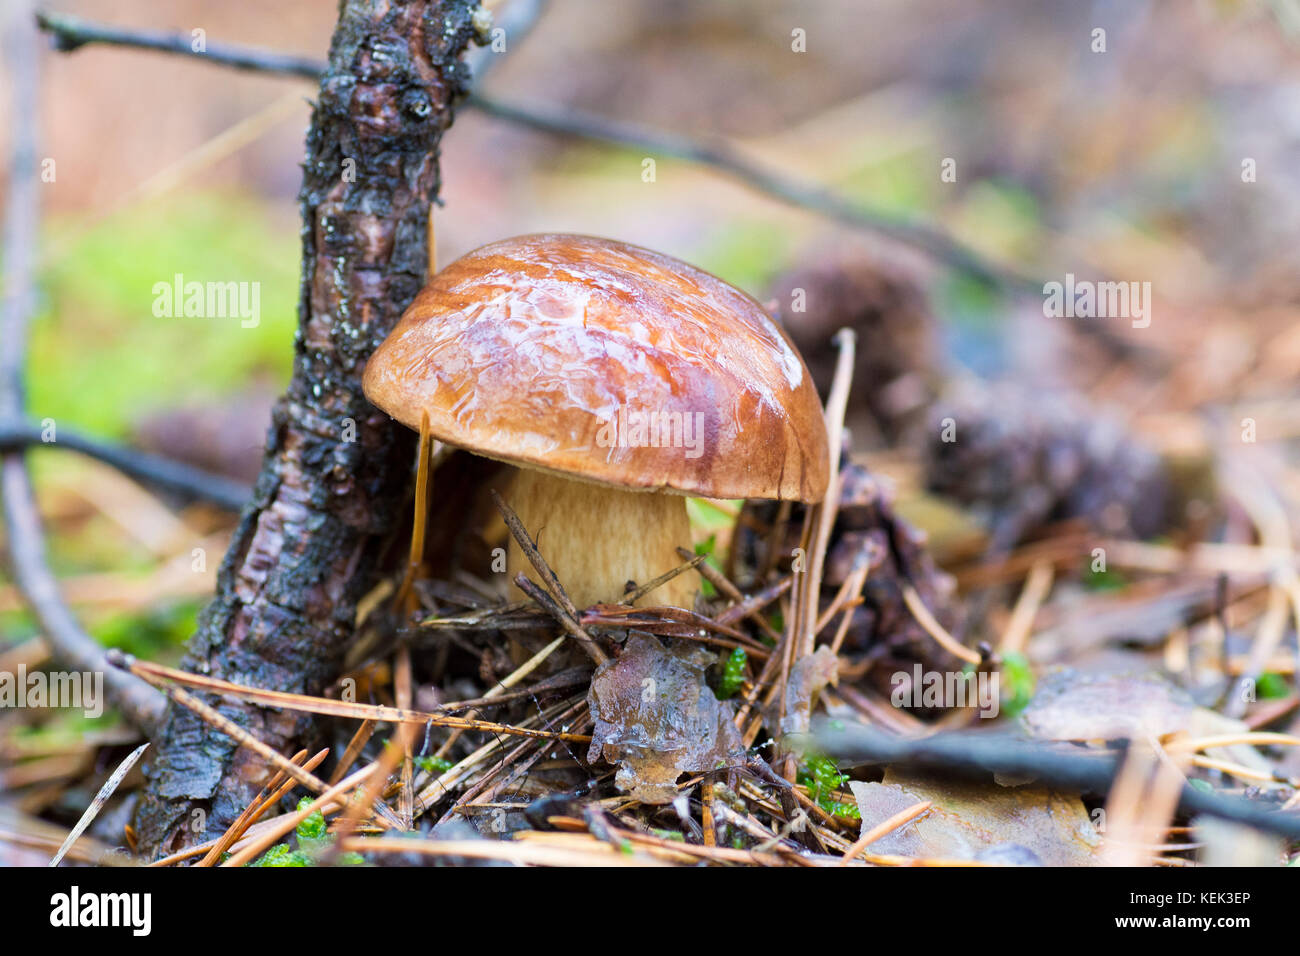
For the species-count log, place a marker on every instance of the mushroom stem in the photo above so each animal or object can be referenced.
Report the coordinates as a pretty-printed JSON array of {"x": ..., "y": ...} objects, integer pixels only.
[{"x": 597, "y": 538}]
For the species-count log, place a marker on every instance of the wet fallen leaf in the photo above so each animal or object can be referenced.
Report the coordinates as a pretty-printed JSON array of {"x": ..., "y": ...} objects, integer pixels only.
[
  {"x": 657, "y": 718},
  {"x": 972, "y": 821},
  {"x": 1071, "y": 705}
]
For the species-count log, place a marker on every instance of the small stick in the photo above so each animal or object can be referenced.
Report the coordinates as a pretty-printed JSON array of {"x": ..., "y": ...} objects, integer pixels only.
[
  {"x": 848, "y": 592},
  {"x": 403, "y": 682},
  {"x": 353, "y": 750},
  {"x": 526, "y": 668},
  {"x": 358, "y": 809},
  {"x": 1242, "y": 773},
  {"x": 1230, "y": 740},
  {"x": 157, "y": 673},
  {"x": 732, "y": 593},
  {"x": 529, "y": 547},
  {"x": 706, "y": 814},
  {"x": 97, "y": 804},
  {"x": 793, "y": 633},
  {"x": 650, "y": 617},
  {"x": 1037, "y": 586},
  {"x": 243, "y": 737},
  {"x": 441, "y": 785},
  {"x": 756, "y": 603},
  {"x": 693, "y": 562},
  {"x": 934, "y": 628},
  {"x": 855, "y": 582},
  {"x": 272, "y": 786},
  {"x": 570, "y": 624},
  {"x": 828, "y": 508},
  {"x": 510, "y": 851}
]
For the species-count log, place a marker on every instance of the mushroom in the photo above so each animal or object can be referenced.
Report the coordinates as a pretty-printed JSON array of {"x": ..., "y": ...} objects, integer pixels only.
[{"x": 617, "y": 380}]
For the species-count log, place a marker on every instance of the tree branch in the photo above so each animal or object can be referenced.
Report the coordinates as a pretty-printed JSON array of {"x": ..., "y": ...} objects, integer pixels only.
[
  {"x": 157, "y": 472},
  {"x": 72, "y": 646},
  {"x": 335, "y": 478},
  {"x": 1067, "y": 768},
  {"x": 70, "y": 33}
]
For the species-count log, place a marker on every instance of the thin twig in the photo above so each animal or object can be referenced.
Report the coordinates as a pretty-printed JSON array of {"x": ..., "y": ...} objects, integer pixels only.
[
  {"x": 904, "y": 816},
  {"x": 936, "y": 630},
  {"x": 283, "y": 824},
  {"x": 71, "y": 33},
  {"x": 529, "y": 547},
  {"x": 551, "y": 606},
  {"x": 271, "y": 794},
  {"x": 161, "y": 474}
]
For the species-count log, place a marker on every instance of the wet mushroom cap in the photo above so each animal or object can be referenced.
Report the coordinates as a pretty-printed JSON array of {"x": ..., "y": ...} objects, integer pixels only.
[{"x": 546, "y": 351}]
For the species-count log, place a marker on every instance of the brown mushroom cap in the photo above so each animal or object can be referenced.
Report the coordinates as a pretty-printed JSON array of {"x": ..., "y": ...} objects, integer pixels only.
[{"x": 529, "y": 349}]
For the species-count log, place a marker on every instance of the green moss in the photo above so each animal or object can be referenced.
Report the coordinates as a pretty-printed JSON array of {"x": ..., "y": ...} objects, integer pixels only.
[
  {"x": 438, "y": 765},
  {"x": 733, "y": 673},
  {"x": 282, "y": 855},
  {"x": 824, "y": 780},
  {"x": 1272, "y": 686},
  {"x": 1104, "y": 580},
  {"x": 1017, "y": 682},
  {"x": 313, "y": 838},
  {"x": 313, "y": 827},
  {"x": 151, "y": 633}
]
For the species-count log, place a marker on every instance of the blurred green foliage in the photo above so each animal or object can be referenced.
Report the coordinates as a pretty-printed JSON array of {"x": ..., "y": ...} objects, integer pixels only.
[
  {"x": 150, "y": 634},
  {"x": 1018, "y": 682},
  {"x": 100, "y": 357}
]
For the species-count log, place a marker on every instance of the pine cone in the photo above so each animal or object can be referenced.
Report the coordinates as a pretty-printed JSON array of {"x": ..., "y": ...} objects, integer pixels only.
[
  {"x": 885, "y": 305},
  {"x": 1027, "y": 458}
]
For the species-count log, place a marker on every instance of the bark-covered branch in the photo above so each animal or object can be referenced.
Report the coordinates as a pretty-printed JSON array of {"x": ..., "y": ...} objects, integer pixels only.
[{"x": 336, "y": 471}]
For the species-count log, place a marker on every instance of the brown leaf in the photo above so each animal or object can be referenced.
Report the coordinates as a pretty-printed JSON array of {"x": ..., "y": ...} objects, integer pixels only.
[
  {"x": 1070, "y": 705},
  {"x": 657, "y": 718},
  {"x": 972, "y": 821}
]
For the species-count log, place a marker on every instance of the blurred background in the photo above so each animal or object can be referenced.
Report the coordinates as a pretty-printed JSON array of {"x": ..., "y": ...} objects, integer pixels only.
[{"x": 1126, "y": 163}]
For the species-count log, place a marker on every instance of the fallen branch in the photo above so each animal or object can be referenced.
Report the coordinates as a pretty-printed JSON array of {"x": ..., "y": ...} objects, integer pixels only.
[{"x": 1066, "y": 768}]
